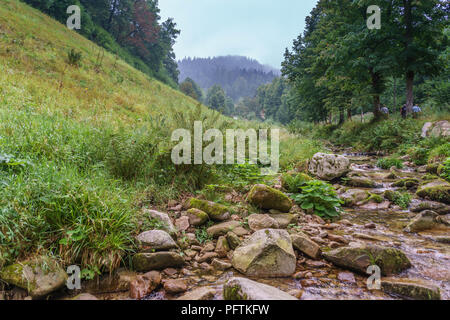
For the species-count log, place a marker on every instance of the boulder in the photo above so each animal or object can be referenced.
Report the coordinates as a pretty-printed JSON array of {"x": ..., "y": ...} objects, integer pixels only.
[
  {"x": 39, "y": 277},
  {"x": 203, "y": 293},
  {"x": 143, "y": 285},
  {"x": 245, "y": 289},
  {"x": 304, "y": 244},
  {"x": 223, "y": 228},
  {"x": 215, "y": 211},
  {"x": 352, "y": 196},
  {"x": 360, "y": 257},
  {"x": 164, "y": 219},
  {"x": 155, "y": 240},
  {"x": 283, "y": 219},
  {"x": 265, "y": 197},
  {"x": 425, "y": 220},
  {"x": 267, "y": 253},
  {"x": 358, "y": 181},
  {"x": 222, "y": 246},
  {"x": 182, "y": 223},
  {"x": 328, "y": 166},
  {"x": 220, "y": 265},
  {"x": 436, "y": 129},
  {"x": 233, "y": 240},
  {"x": 175, "y": 286},
  {"x": 438, "y": 207},
  {"x": 143, "y": 262},
  {"x": 262, "y": 221},
  {"x": 197, "y": 217},
  {"x": 408, "y": 183},
  {"x": 436, "y": 190},
  {"x": 411, "y": 289}
]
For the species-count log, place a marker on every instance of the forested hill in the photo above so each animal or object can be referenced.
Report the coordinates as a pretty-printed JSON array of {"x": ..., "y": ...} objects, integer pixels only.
[
  {"x": 130, "y": 29},
  {"x": 238, "y": 76}
]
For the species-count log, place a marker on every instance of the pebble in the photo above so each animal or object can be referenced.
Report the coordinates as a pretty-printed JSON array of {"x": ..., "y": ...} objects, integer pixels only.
[{"x": 175, "y": 286}]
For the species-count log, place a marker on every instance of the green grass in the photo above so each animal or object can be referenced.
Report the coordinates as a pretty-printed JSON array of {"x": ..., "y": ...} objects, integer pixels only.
[
  {"x": 387, "y": 163},
  {"x": 83, "y": 146}
]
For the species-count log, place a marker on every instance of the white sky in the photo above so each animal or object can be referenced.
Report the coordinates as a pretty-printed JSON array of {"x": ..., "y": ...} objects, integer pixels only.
[{"x": 259, "y": 29}]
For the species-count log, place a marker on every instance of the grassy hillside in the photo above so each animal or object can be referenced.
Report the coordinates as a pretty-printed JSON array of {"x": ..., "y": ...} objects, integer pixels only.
[{"x": 83, "y": 148}]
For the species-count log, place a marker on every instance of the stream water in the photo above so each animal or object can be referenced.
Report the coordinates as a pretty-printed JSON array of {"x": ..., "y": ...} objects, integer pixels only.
[{"x": 430, "y": 259}]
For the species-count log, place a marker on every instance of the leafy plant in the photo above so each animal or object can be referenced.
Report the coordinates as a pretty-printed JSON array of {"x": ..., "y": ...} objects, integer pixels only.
[
  {"x": 319, "y": 197},
  {"x": 445, "y": 170},
  {"x": 294, "y": 183},
  {"x": 241, "y": 175},
  {"x": 402, "y": 199},
  {"x": 9, "y": 162},
  {"x": 202, "y": 235},
  {"x": 387, "y": 163}
]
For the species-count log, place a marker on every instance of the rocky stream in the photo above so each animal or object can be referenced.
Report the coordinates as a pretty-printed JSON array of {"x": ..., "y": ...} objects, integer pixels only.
[{"x": 284, "y": 253}]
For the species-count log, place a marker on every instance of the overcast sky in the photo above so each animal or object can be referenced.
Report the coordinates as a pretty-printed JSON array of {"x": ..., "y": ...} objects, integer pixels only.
[{"x": 260, "y": 29}]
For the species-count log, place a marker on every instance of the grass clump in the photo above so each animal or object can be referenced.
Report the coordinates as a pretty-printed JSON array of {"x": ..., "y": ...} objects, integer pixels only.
[{"x": 387, "y": 163}]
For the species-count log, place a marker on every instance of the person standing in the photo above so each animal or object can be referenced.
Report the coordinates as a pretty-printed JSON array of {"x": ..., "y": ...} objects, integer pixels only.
[
  {"x": 403, "y": 111},
  {"x": 385, "y": 111},
  {"x": 416, "y": 110}
]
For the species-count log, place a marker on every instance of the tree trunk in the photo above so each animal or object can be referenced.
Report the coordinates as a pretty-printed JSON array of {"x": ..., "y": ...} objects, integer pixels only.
[
  {"x": 395, "y": 93},
  {"x": 111, "y": 15},
  {"x": 409, "y": 59},
  {"x": 376, "y": 83},
  {"x": 341, "y": 116},
  {"x": 409, "y": 91},
  {"x": 349, "y": 114}
]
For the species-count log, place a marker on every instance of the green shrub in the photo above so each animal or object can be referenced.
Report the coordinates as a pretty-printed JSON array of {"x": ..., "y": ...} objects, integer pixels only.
[
  {"x": 319, "y": 197},
  {"x": 74, "y": 57},
  {"x": 402, "y": 199},
  {"x": 445, "y": 170},
  {"x": 294, "y": 182},
  {"x": 439, "y": 153},
  {"x": 387, "y": 163}
]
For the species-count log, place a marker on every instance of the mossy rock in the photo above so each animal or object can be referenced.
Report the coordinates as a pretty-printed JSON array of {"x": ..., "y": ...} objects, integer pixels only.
[
  {"x": 353, "y": 196},
  {"x": 39, "y": 277},
  {"x": 437, "y": 190},
  {"x": 428, "y": 177},
  {"x": 390, "y": 260},
  {"x": 244, "y": 289},
  {"x": 411, "y": 289},
  {"x": 197, "y": 217},
  {"x": 407, "y": 183},
  {"x": 432, "y": 168},
  {"x": 390, "y": 195},
  {"x": 144, "y": 262},
  {"x": 268, "y": 198},
  {"x": 425, "y": 220},
  {"x": 374, "y": 198},
  {"x": 267, "y": 253},
  {"x": 215, "y": 211},
  {"x": 359, "y": 181}
]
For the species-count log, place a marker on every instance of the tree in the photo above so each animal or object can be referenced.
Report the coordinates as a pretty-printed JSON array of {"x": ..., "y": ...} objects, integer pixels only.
[
  {"x": 190, "y": 88},
  {"x": 216, "y": 98},
  {"x": 421, "y": 25}
]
